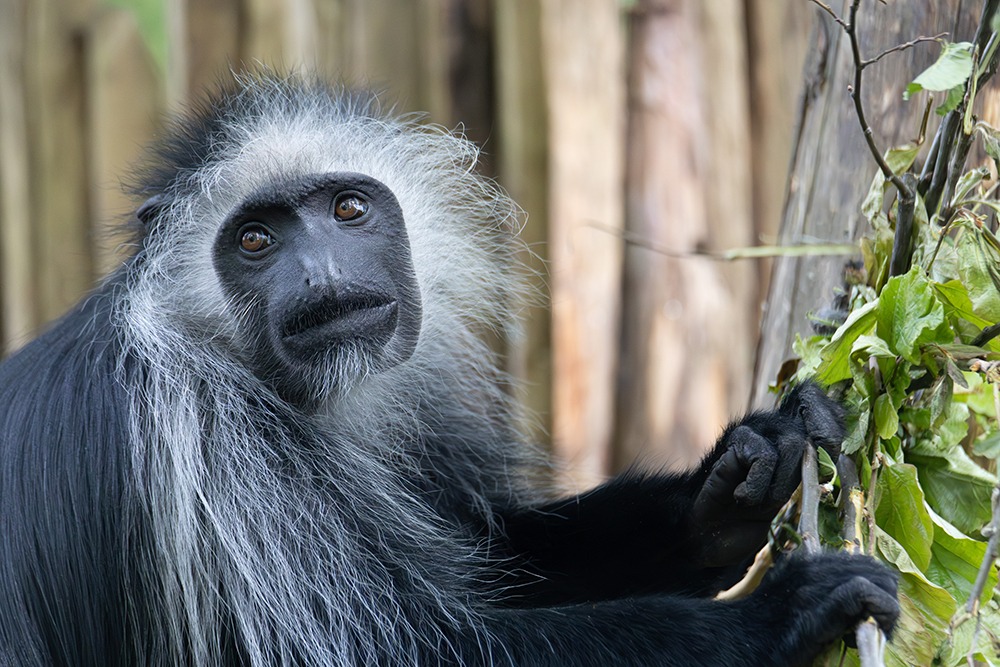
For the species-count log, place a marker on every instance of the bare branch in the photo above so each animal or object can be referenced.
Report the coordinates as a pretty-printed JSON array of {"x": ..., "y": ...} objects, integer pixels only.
[
  {"x": 826, "y": 8},
  {"x": 902, "y": 47},
  {"x": 764, "y": 559},
  {"x": 905, "y": 193},
  {"x": 809, "y": 519}
]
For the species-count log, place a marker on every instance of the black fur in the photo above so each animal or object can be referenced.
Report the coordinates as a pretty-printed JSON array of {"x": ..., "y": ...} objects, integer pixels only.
[{"x": 409, "y": 536}]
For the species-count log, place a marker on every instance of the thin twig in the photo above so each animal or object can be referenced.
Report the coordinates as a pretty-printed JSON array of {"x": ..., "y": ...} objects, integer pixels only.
[
  {"x": 826, "y": 8},
  {"x": 852, "y": 34},
  {"x": 989, "y": 558},
  {"x": 762, "y": 562},
  {"x": 901, "y": 47},
  {"x": 764, "y": 559}
]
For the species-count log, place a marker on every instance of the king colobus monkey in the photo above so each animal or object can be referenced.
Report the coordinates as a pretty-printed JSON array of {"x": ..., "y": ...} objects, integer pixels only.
[{"x": 275, "y": 437}]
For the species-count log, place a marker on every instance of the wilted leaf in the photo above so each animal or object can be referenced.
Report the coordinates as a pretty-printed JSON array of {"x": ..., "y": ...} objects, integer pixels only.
[
  {"x": 968, "y": 181},
  {"x": 991, "y": 140}
]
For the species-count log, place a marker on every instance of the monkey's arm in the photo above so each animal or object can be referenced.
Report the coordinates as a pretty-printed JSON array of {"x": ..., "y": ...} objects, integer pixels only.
[
  {"x": 803, "y": 604},
  {"x": 689, "y": 533}
]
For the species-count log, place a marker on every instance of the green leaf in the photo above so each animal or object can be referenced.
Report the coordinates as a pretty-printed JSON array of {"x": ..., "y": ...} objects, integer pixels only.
[
  {"x": 871, "y": 346},
  {"x": 808, "y": 351},
  {"x": 951, "y": 100},
  {"x": 925, "y": 606},
  {"x": 951, "y": 70},
  {"x": 836, "y": 355},
  {"x": 988, "y": 446},
  {"x": 909, "y": 315},
  {"x": 957, "y": 488},
  {"x": 901, "y": 513},
  {"x": 858, "y": 419},
  {"x": 977, "y": 394},
  {"x": 827, "y": 469},
  {"x": 886, "y": 417},
  {"x": 955, "y": 561}
]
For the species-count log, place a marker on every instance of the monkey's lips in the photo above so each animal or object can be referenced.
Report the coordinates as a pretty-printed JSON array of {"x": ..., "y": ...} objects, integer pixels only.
[{"x": 362, "y": 315}]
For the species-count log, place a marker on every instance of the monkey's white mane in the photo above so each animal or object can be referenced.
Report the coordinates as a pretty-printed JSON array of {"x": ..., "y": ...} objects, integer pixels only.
[{"x": 253, "y": 503}]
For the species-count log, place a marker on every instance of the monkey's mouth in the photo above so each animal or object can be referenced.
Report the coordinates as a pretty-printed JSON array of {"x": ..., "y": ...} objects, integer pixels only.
[{"x": 364, "y": 315}]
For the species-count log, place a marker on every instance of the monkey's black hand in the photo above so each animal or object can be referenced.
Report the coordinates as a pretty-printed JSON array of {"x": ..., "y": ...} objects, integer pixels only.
[
  {"x": 754, "y": 469},
  {"x": 811, "y": 601}
]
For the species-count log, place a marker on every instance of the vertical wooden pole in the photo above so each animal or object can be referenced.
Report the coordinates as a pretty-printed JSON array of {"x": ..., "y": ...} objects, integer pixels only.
[
  {"x": 583, "y": 50},
  {"x": 687, "y": 320},
  {"x": 18, "y": 296},
  {"x": 124, "y": 103},
  {"x": 56, "y": 124},
  {"x": 523, "y": 169},
  {"x": 778, "y": 39}
]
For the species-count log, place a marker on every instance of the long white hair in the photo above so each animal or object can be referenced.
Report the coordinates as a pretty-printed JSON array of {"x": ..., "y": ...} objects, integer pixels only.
[{"x": 306, "y": 537}]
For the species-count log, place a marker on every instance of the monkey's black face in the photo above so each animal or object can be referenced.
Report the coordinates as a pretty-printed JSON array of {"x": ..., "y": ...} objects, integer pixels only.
[{"x": 320, "y": 270}]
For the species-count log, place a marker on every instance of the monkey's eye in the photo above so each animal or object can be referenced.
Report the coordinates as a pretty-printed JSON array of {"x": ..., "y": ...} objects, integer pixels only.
[
  {"x": 349, "y": 207},
  {"x": 254, "y": 239}
]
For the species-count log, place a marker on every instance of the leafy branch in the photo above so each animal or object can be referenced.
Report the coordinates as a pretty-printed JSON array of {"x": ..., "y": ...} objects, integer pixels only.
[{"x": 917, "y": 362}]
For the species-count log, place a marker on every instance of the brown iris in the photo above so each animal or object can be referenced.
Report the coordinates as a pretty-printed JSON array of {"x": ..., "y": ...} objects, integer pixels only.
[
  {"x": 349, "y": 207},
  {"x": 255, "y": 239}
]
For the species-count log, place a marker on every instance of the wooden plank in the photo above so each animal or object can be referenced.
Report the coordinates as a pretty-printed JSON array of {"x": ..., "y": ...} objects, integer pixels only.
[
  {"x": 686, "y": 321},
  {"x": 583, "y": 52},
  {"x": 56, "y": 97},
  {"x": 124, "y": 100},
  {"x": 17, "y": 283},
  {"x": 281, "y": 35},
  {"x": 204, "y": 38},
  {"x": 778, "y": 39},
  {"x": 728, "y": 193},
  {"x": 523, "y": 171},
  {"x": 381, "y": 51}
]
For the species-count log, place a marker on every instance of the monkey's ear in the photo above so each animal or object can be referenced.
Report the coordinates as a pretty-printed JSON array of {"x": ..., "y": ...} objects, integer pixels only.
[{"x": 151, "y": 208}]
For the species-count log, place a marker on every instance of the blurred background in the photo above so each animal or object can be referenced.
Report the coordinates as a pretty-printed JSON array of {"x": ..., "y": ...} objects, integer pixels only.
[{"x": 643, "y": 138}]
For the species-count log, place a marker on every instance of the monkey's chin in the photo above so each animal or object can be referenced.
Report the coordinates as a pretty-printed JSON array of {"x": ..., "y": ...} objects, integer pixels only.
[{"x": 333, "y": 373}]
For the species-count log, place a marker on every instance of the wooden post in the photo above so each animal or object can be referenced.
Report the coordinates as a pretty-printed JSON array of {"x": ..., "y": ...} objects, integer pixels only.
[
  {"x": 523, "y": 169},
  {"x": 687, "y": 321},
  {"x": 18, "y": 316},
  {"x": 58, "y": 181},
  {"x": 583, "y": 50},
  {"x": 124, "y": 103}
]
